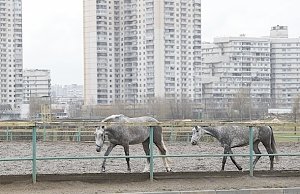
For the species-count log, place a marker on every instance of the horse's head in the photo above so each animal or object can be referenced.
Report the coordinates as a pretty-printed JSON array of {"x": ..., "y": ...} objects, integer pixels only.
[
  {"x": 99, "y": 137},
  {"x": 197, "y": 133}
]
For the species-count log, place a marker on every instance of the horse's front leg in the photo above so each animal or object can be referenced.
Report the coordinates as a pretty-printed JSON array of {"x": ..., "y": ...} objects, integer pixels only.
[
  {"x": 109, "y": 149},
  {"x": 126, "y": 150},
  {"x": 224, "y": 158}
]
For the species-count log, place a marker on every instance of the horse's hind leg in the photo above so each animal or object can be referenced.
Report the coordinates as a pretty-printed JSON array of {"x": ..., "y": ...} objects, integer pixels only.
[
  {"x": 162, "y": 149},
  {"x": 126, "y": 150},
  {"x": 234, "y": 162},
  {"x": 147, "y": 152},
  {"x": 158, "y": 141},
  {"x": 270, "y": 151},
  {"x": 256, "y": 151},
  {"x": 109, "y": 149}
]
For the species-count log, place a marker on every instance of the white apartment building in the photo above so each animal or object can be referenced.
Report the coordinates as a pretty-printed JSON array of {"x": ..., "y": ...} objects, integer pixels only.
[
  {"x": 11, "y": 60},
  {"x": 285, "y": 63},
  {"x": 265, "y": 70},
  {"x": 236, "y": 67},
  {"x": 136, "y": 51},
  {"x": 37, "y": 83}
]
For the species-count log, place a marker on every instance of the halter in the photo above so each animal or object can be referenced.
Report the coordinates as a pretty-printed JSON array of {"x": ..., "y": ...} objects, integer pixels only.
[
  {"x": 101, "y": 137},
  {"x": 98, "y": 146}
]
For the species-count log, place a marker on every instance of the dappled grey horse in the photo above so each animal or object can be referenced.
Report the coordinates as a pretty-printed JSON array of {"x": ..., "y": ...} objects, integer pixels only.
[
  {"x": 121, "y": 134},
  {"x": 237, "y": 136}
]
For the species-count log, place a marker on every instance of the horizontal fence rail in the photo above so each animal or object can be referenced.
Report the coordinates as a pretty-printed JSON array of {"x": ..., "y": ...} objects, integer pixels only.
[
  {"x": 9, "y": 128},
  {"x": 84, "y": 132}
]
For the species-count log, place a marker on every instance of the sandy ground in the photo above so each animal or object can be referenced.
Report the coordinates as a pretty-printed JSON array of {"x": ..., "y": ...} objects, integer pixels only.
[
  {"x": 56, "y": 149},
  {"x": 245, "y": 182}
]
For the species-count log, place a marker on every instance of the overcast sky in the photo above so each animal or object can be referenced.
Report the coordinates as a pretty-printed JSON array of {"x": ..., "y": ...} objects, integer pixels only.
[{"x": 53, "y": 29}]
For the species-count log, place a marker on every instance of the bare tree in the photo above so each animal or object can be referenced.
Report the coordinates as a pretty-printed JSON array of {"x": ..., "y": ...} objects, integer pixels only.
[
  {"x": 296, "y": 108},
  {"x": 241, "y": 106},
  {"x": 34, "y": 107},
  {"x": 75, "y": 110}
]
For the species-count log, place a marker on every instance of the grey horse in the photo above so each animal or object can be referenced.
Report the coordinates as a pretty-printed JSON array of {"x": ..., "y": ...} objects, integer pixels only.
[
  {"x": 121, "y": 134},
  {"x": 238, "y": 136}
]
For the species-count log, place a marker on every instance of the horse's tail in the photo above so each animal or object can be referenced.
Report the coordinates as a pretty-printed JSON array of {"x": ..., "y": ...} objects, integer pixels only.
[{"x": 273, "y": 144}]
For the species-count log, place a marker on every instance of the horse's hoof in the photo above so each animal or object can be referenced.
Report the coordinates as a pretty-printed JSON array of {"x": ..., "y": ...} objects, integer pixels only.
[
  {"x": 169, "y": 170},
  {"x": 146, "y": 169},
  {"x": 103, "y": 170},
  {"x": 239, "y": 168}
]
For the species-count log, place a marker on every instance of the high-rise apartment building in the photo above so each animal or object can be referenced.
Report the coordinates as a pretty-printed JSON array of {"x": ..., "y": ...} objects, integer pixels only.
[
  {"x": 136, "y": 51},
  {"x": 285, "y": 62},
  {"x": 11, "y": 63}
]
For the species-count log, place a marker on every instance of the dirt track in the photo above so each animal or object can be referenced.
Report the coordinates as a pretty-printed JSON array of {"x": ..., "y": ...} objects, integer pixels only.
[
  {"x": 74, "y": 149},
  {"x": 55, "y": 149}
]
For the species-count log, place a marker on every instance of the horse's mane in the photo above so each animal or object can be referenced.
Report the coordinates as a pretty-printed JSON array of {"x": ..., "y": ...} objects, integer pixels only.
[
  {"x": 123, "y": 118},
  {"x": 114, "y": 118}
]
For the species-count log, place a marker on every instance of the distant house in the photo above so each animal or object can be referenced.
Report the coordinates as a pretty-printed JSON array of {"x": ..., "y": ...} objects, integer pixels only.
[{"x": 7, "y": 113}]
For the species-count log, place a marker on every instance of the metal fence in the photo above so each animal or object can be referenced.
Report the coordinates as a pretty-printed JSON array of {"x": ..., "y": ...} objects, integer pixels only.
[
  {"x": 85, "y": 133},
  {"x": 77, "y": 134}
]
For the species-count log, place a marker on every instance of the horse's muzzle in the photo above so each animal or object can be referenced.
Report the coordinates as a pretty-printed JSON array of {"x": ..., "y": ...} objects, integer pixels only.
[
  {"x": 98, "y": 148},
  {"x": 194, "y": 142}
]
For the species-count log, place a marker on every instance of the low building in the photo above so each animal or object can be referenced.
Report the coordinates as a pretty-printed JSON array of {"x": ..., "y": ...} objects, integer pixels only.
[
  {"x": 36, "y": 92},
  {"x": 36, "y": 83}
]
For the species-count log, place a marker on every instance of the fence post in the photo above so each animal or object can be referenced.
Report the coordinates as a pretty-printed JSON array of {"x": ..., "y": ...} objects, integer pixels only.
[
  {"x": 172, "y": 135},
  {"x": 151, "y": 153},
  {"x": 188, "y": 137},
  {"x": 34, "y": 154},
  {"x": 8, "y": 134},
  {"x": 251, "y": 150},
  {"x": 44, "y": 133},
  {"x": 79, "y": 134}
]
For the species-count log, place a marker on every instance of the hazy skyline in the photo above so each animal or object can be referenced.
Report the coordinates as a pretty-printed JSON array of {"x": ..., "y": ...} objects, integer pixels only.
[{"x": 53, "y": 30}]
